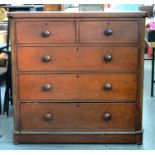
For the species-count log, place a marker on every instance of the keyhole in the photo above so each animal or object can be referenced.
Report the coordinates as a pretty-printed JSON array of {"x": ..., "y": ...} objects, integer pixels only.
[{"x": 77, "y": 76}]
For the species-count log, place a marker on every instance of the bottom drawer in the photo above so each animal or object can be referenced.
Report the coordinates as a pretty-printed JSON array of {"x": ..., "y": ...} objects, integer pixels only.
[{"x": 80, "y": 117}]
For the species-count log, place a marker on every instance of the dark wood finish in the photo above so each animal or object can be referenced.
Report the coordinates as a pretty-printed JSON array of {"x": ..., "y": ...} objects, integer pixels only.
[
  {"x": 74, "y": 87},
  {"x": 46, "y": 32},
  {"x": 83, "y": 117},
  {"x": 14, "y": 76},
  {"x": 108, "y": 31},
  {"x": 140, "y": 76},
  {"x": 58, "y": 14},
  {"x": 77, "y": 77},
  {"x": 77, "y": 58},
  {"x": 120, "y": 138}
]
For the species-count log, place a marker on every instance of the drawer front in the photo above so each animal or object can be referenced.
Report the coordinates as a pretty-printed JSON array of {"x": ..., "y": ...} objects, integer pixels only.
[
  {"x": 45, "y": 32},
  {"x": 77, "y": 117},
  {"x": 108, "y": 31},
  {"x": 78, "y": 87},
  {"x": 77, "y": 58}
]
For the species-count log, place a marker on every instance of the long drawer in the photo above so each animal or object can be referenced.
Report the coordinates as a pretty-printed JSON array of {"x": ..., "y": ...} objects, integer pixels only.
[
  {"x": 110, "y": 31},
  {"x": 78, "y": 87},
  {"x": 74, "y": 117},
  {"x": 77, "y": 58},
  {"x": 45, "y": 32}
]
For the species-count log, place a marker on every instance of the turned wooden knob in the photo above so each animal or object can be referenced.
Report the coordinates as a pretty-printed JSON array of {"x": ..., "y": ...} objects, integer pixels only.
[
  {"x": 46, "y": 33},
  {"x": 46, "y": 58},
  {"x": 47, "y": 117},
  {"x": 108, "y": 86},
  {"x": 108, "y": 32},
  {"x": 47, "y": 87},
  {"x": 107, "y": 116},
  {"x": 108, "y": 57}
]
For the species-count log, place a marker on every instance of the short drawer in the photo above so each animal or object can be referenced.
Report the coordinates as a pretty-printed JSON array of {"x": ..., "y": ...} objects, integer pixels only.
[
  {"x": 108, "y": 31},
  {"x": 78, "y": 87},
  {"x": 74, "y": 117},
  {"x": 77, "y": 58},
  {"x": 45, "y": 32}
]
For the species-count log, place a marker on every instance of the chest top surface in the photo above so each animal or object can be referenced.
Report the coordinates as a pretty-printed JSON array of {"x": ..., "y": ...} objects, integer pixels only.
[{"x": 76, "y": 14}]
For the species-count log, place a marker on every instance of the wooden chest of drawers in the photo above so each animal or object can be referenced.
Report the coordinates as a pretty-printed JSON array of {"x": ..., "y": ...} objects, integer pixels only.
[{"x": 77, "y": 77}]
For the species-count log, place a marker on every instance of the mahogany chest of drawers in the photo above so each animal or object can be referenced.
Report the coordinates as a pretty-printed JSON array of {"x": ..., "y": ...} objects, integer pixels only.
[{"x": 77, "y": 77}]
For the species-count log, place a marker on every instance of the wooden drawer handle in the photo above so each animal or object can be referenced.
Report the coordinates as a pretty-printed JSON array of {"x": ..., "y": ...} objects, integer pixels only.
[
  {"x": 46, "y": 58},
  {"x": 46, "y": 33},
  {"x": 47, "y": 117},
  {"x": 47, "y": 87},
  {"x": 108, "y": 32},
  {"x": 107, "y": 116},
  {"x": 108, "y": 57},
  {"x": 108, "y": 86}
]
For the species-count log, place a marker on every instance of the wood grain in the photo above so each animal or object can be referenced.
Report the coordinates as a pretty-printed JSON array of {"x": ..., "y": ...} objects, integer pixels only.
[
  {"x": 64, "y": 100},
  {"x": 73, "y": 117},
  {"x": 77, "y": 58},
  {"x": 123, "y": 31},
  {"x": 78, "y": 87},
  {"x": 31, "y": 32}
]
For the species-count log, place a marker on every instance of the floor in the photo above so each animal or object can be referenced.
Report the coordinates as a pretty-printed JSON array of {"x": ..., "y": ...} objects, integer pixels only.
[{"x": 6, "y": 128}]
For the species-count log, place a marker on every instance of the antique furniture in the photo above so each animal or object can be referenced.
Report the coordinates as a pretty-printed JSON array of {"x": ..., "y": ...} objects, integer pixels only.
[{"x": 77, "y": 77}]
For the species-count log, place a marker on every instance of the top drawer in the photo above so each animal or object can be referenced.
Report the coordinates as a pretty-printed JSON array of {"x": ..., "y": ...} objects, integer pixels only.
[
  {"x": 45, "y": 32},
  {"x": 108, "y": 31}
]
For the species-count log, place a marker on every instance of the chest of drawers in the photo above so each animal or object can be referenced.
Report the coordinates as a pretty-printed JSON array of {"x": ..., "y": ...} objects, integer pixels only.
[{"x": 77, "y": 77}]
